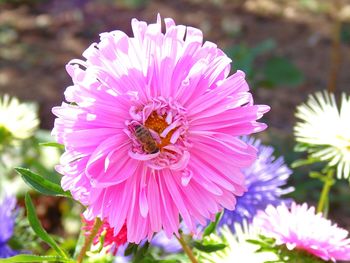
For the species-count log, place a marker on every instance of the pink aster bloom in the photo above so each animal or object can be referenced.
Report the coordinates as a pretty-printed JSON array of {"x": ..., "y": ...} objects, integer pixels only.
[
  {"x": 299, "y": 227},
  {"x": 151, "y": 129},
  {"x": 111, "y": 241}
]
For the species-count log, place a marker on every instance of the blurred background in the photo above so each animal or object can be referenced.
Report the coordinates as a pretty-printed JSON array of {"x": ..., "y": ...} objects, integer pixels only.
[{"x": 288, "y": 49}]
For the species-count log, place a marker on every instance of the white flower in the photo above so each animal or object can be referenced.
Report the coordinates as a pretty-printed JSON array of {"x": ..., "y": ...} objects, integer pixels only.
[
  {"x": 238, "y": 249},
  {"x": 326, "y": 130},
  {"x": 17, "y": 120}
]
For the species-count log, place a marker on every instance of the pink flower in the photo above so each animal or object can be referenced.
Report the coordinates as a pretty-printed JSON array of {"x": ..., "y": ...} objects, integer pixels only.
[
  {"x": 111, "y": 241},
  {"x": 151, "y": 130},
  {"x": 301, "y": 228}
]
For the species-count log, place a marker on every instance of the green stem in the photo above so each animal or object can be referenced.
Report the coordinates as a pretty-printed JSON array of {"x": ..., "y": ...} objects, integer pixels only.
[
  {"x": 187, "y": 249},
  {"x": 89, "y": 239},
  {"x": 328, "y": 182}
]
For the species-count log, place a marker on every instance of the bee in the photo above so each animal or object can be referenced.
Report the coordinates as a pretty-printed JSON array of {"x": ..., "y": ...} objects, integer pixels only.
[{"x": 145, "y": 138}]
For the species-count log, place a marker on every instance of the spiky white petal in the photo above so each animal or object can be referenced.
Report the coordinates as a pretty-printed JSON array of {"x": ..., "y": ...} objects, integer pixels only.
[
  {"x": 19, "y": 119},
  {"x": 238, "y": 249},
  {"x": 325, "y": 128}
]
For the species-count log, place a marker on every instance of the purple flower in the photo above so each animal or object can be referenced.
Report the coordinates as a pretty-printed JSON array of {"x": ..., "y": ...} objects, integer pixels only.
[
  {"x": 120, "y": 257},
  {"x": 7, "y": 219},
  {"x": 169, "y": 245},
  {"x": 264, "y": 181}
]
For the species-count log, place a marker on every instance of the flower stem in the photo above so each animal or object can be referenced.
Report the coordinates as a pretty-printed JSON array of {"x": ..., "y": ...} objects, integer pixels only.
[
  {"x": 187, "y": 249},
  {"x": 89, "y": 239},
  {"x": 328, "y": 182}
]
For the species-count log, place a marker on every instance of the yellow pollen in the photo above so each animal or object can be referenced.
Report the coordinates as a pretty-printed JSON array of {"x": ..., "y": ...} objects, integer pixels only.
[
  {"x": 346, "y": 141},
  {"x": 158, "y": 124}
]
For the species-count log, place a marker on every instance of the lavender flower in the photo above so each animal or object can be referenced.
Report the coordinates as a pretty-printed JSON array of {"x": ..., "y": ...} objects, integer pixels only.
[
  {"x": 169, "y": 245},
  {"x": 7, "y": 219},
  {"x": 264, "y": 181}
]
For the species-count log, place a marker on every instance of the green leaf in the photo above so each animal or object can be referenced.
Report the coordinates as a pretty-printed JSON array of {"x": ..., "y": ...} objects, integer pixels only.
[
  {"x": 212, "y": 226},
  {"x": 52, "y": 144},
  {"x": 316, "y": 175},
  {"x": 141, "y": 253},
  {"x": 244, "y": 57},
  {"x": 303, "y": 162},
  {"x": 168, "y": 261},
  {"x": 130, "y": 249},
  {"x": 301, "y": 147},
  {"x": 79, "y": 244},
  {"x": 254, "y": 242},
  {"x": 280, "y": 71},
  {"x": 39, "y": 230},
  {"x": 263, "y": 47},
  {"x": 41, "y": 184},
  {"x": 146, "y": 259},
  {"x": 208, "y": 248},
  {"x": 176, "y": 258},
  {"x": 262, "y": 242},
  {"x": 102, "y": 242},
  {"x": 34, "y": 258}
]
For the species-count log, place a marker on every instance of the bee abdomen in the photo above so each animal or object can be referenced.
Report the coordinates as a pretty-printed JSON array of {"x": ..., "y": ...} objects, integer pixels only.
[{"x": 142, "y": 133}]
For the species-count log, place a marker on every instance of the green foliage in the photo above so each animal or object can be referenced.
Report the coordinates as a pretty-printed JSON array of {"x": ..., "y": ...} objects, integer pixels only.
[
  {"x": 41, "y": 159},
  {"x": 280, "y": 71},
  {"x": 24, "y": 237},
  {"x": 52, "y": 144},
  {"x": 172, "y": 258},
  {"x": 39, "y": 230},
  {"x": 130, "y": 249},
  {"x": 5, "y": 137},
  {"x": 132, "y": 4},
  {"x": 211, "y": 228},
  {"x": 315, "y": 6},
  {"x": 276, "y": 71},
  {"x": 309, "y": 149},
  {"x": 285, "y": 255},
  {"x": 41, "y": 184},
  {"x": 168, "y": 261},
  {"x": 210, "y": 242},
  {"x": 345, "y": 33},
  {"x": 147, "y": 254},
  {"x": 208, "y": 248},
  {"x": 302, "y": 162},
  {"x": 79, "y": 244},
  {"x": 27, "y": 153},
  {"x": 35, "y": 258},
  {"x": 141, "y": 254},
  {"x": 244, "y": 57}
]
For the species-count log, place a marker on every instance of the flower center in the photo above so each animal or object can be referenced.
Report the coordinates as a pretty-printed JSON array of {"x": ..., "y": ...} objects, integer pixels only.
[
  {"x": 158, "y": 124},
  {"x": 348, "y": 147},
  {"x": 158, "y": 132},
  {"x": 345, "y": 141}
]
